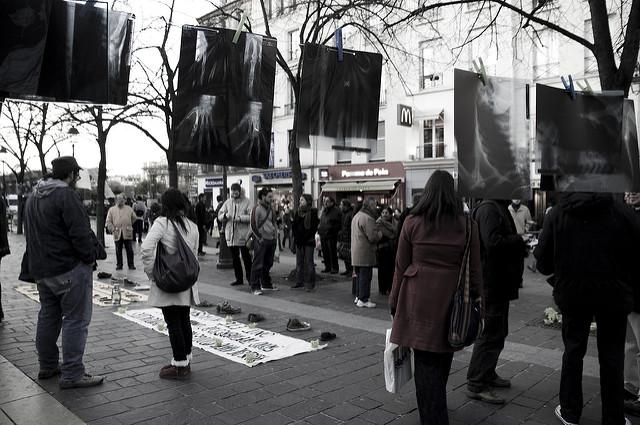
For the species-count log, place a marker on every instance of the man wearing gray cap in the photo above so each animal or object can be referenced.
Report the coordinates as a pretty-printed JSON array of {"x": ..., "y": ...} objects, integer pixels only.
[{"x": 61, "y": 251}]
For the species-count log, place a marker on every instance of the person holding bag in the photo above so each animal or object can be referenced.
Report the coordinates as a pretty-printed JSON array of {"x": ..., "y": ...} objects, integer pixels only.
[
  {"x": 431, "y": 249},
  {"x": 170, "y": 232}
]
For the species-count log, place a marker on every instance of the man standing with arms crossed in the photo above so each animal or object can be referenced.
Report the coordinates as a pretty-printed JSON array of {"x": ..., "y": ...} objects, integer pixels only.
[{"x": 61, "y": 252}]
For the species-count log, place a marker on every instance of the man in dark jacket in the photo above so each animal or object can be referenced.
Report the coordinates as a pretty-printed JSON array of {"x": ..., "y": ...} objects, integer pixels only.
[
  {"x": 61, "y": 251},
  {"x": 330, "y": 224},
  {"x": 344, "y": 236},
  {"x": 4, "y": 242},
  {"x": 502, "y": 253},
  {"x": 589, "y": 245},
  {"x": 201, "y": 221}
]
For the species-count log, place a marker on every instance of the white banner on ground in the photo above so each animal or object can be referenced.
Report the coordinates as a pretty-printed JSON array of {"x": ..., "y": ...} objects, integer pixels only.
[
  {"x": 101, "y": 294},
  {"x": 233, "y": 340}
]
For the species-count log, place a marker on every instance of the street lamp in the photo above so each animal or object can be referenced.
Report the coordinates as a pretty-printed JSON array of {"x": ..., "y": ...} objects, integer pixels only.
[{"x": 73, "y": 132}]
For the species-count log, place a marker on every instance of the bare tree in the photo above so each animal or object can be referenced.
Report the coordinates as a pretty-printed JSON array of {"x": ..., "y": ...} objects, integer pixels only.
[{"x": 42, "y": 138}]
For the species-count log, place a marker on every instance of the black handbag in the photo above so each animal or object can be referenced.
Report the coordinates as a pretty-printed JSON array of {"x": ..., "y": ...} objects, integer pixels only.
[{"x": 175, "y": 272}]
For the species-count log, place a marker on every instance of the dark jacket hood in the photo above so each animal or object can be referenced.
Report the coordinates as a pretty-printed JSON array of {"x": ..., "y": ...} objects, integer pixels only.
[
  {"x": 585, "y": 203},
  {"x": 46, "y": 187}
]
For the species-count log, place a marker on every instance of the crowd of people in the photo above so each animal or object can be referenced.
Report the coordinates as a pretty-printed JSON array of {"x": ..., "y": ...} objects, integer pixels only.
[{"x": 587, "y": 245}]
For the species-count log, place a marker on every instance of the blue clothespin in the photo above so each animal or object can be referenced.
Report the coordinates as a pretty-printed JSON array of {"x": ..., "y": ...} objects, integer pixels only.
[
  {"x": 236, "y": 36},
  {"x": 586, "y": 88},
  {"x": 338, "y": 37},
  {"x": 569, "y": 87},
  {"x": 480, "y": 70}
]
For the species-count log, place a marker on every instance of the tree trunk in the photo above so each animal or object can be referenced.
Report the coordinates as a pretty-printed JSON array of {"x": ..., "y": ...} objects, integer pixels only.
[
  {"x": 173, "y": 170},
  {"x": 20, "y": 210},
  {"x": 296, "y": 169},
  {"x": 43, "y": 164},
  {"x": 102, "y": 181}
]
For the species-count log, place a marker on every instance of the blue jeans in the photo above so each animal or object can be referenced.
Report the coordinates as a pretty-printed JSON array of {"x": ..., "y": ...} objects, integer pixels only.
[
  {"x": 65, "y": 304},
  {"x": 365, "y": 274},
  {"x": 305, "y": 269}
]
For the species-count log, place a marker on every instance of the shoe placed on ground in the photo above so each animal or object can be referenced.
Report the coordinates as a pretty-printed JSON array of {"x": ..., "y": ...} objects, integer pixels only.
[
  {"x": 487, "y": 396},
  {"x": 327, "y": 336},
  {"x": 175, "y": 372},
  {"x": 500, "y": 383},
  {"x": 129, "y": 282},
  {"x": 226, "y": 308},
  {"x": 104, "y": 275},
  {"x": 48, "y": 373},
  {"x": 356, "y": 300},
  {"x": 118, "y": 267},
  {"x": 236, "y": 283},
  {"x": 297, "y": 325},
  {"x": 632, "y": 407},
  {"x": 84, "y": 382},
  {"x": 563, "y": 420},
  {"x": 255, "y": 317},
  {"x": 298, "y": 286},
  {"x": 132, "y": 267},
  {"x": 368, "y": 304},
  {"x": 256, "y": 292}
]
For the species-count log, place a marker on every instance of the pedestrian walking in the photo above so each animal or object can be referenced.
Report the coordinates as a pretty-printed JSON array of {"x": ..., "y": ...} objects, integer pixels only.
[
  {"x": 632, "y": 344},
  {"x": 430, "y": 252},
  {"x": 521, "y": 216},
  {"x": 589, "y": 243},
  {"x": 265, "y": 232},
  {"x": 175, "y": 307},
  {"x": 120, "y": 219},
  {"x": 235, "y": 215},
  {"x": 502, "y": 254},
  {"x": 4, "y": 242},
  {"x": 386, "y": 252},
  {"x": 201, "y": 221},
  {"x": 365, "y": 235},
  {"x": 305, "y": 225},
  {"x": 61, "y": 252},
  {"x": 344, "y": 236},
  {"x": 330, "y": 223},
  {"x": 138, "y": 226}
]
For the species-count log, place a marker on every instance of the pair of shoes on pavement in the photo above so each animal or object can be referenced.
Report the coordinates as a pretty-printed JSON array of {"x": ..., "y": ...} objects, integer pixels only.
[
  {"x": 487, "y": 395},
  {"x": 48, "y": 373},
  {"x": 255, "y": 318},
  {"x": 226, "y": 308},
  {"x": 297, "y": 325},
  {"x": 368, "y": 304},
  {"x": 175, "y": 372},
  {"x": 85, "y": 381}
]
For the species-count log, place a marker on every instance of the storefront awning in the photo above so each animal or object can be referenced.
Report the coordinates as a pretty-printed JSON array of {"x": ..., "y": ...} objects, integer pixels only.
[{"x": 370, "y": 186}]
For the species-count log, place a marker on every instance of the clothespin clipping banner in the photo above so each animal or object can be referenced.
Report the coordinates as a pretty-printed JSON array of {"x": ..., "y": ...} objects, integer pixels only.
[
  {"x": 569, "y": 86},
  {"x": 480, "y": 70},
  {"x": 338, "y": 37},
  {"x": 236, "y": 36},
  {"x": 586, "y": 88}
]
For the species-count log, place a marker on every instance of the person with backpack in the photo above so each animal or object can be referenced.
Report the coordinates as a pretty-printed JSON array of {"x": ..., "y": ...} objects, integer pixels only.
[
  {"x": 427, "y": 266},
  {"x": 502, "y": 253},
  {"x": 138, "y": 226},
  {"x": 175, "y": 307},
  {"x": 265, "y": 232}
]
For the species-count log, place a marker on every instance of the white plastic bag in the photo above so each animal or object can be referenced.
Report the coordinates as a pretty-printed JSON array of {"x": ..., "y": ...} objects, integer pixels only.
[{"x": 398, "y": 365}]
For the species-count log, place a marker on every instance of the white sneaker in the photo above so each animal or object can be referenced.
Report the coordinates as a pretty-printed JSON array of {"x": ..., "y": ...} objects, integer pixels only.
[
  {"x": 368, "y": 304},
  {"x": 356, "y": 300},
  {"x": 559, "y": 415},
  {"x": 257, "y": 292}
]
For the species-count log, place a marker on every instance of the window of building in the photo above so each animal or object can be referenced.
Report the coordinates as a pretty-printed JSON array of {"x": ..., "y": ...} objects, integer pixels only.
[
  {"x": 546, "y": 54},
  {"x": 343, "y": 157},
  {"x": 377, "y": 148},
  {"x": 383, "y": 87},
  {"x": 290, "y": 106},
  {"x": 433, "y": 138},
  {"x": 294, "y": 44},
  {"x": 430, "y": 71}
]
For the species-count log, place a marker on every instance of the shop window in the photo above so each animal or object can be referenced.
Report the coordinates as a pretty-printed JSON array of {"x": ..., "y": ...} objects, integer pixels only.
[
  {"x": 343, "y": 157},
  {"x": 377, "y": 148},
  {"x": 430, "y": 75},
  {"x": 433, "y": 141}
]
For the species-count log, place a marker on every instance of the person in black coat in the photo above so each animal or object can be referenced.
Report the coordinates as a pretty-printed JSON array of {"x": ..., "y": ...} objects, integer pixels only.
[
  {"x": 4, "y": 242},
  {"x": 201, "y": 220},
  {"x": 632, "y": 345},
  {"x": 304, "y": 227},
  {"x": 502, "y": 253},
  {"x": 589, "y": 243},
  {"x": 344, "y": 236},
  {"x": 330, "y": 224}
]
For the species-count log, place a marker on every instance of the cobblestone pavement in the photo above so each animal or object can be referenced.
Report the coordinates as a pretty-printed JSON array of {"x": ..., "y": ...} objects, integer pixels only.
[{"x": 342, "y": 384}]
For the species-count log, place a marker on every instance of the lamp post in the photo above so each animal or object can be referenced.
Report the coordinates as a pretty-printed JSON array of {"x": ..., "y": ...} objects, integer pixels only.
[
  {"x": 225, "y": 259},
  {"x": 73, "y": 132}
]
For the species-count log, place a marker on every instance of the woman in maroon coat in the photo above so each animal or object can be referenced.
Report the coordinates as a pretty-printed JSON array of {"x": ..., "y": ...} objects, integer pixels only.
[{"x": 430, "y": 249}]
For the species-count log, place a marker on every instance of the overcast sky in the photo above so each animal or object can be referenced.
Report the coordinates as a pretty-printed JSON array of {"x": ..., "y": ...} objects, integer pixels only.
[{"x": 128, "y": 149}]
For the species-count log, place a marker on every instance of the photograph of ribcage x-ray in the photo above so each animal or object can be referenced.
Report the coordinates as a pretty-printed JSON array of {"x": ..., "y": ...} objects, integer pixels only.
[{"x": 225, "y": 98}]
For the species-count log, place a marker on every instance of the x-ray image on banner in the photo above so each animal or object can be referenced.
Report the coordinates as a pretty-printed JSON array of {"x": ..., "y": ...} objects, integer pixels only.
[
  {"x": 120, "y": 37},
  {"x": 580, "y": 141},
  {"x": 75, "y": 66},
  {"x": 23, "y": 35},
  {"x": 491, "y": 132},
  {"x": 338, "y": 102},
  {"x": 224, "y": 102}
]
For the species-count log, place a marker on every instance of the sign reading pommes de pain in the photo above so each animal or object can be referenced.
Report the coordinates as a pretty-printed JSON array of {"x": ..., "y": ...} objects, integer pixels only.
[{"x": 383, "y": 170}]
